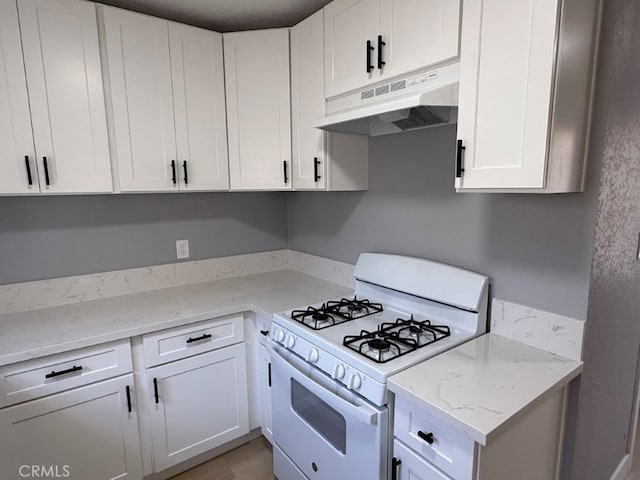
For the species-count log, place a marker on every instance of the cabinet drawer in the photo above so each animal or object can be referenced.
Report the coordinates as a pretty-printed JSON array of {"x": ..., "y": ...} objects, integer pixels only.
[
  {"x": 412, "y": 467},
  {"x": 451, "y": 450},
  {"x": 181, "y": 342},
  {"x": 44, "y": 376}
]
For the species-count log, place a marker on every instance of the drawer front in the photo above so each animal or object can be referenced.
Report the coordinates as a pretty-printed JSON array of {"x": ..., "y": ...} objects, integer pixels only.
[
  {"x": 412, "y": 467},
  {"x": 43, "y": 376},
  {"x": 181, "y": 342},
  {"x": 450, "y": 450}
]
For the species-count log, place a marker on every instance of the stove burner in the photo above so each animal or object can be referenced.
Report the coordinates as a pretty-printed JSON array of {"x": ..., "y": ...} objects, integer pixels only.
[
  {"x": 394, "y": 339},
  {"x": 353, "y": 308},
  {"x": 379, "y": 344},
  {"x": 316, "y": 318},
  {"x": 320, "y": 316}
]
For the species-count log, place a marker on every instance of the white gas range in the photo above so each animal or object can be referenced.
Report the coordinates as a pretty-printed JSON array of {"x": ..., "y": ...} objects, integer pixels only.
[{"x": 331, "y": 361}]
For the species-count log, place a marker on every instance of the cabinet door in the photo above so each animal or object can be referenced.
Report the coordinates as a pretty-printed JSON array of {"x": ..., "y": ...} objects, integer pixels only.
[
  {"x": 307, "y": 104},
  {"x": 16, "y": 140},
  {"x": 506, "y": 76},
  {"x": 348, "y": 25},
  {"x": 64, "y": 76},
  {"x": 84, "y": 433},
  {"x": 201, "y": 404},
  {"x": 418, "y": 33},
  {"x": 258, "y": 109},
  {"x": 265, "y": 383},
  {"x": 198, "y": 95},
  {"x": 412, "y": 467},
  {"x": 141, "y": 96}
]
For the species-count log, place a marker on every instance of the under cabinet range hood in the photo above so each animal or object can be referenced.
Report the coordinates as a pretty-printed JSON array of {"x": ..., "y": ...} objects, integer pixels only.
[{"x": 423, "y": 100}]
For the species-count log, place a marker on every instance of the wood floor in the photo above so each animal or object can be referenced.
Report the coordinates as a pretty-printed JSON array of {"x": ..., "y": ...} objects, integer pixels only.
[{"x": 252, "y": 461}]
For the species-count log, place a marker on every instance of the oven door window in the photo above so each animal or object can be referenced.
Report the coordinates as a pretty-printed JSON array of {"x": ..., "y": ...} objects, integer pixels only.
[{"x": 324, "y": 419}]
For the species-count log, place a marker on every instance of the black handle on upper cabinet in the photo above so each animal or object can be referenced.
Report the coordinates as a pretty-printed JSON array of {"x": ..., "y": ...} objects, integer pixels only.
[
  {"x": 155, "y": 390},
  {"x": 26, "y": 163},
  {"x": 381, "y": 44},
  {"x": 186, "y": 173},
  {"x": 427, "y": 437},
  {"x": 204, "y": 336},
  {"x": 316, "y": 164},
  {"x": 173, "y": 172},
  {"x": 394, "y": 467},
  {"x": 62, "y": 372},
  {"x": 369, "y": 48},
  {"x": 286, "y": 177},
  {"x": 46, "y": 170},
  {"x": 128, "y": 390},
  {"x": 459, "y": 153}
]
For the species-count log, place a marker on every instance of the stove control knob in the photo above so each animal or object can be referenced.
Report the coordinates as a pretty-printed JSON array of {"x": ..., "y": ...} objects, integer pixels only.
[
  {"x": 356, "y": 382},
  {"x": 291, "y": 341},
  {"x": 313, "y": 355},
  {"x": 279, "y": 335},
  {"x": 338, "y": 372}
]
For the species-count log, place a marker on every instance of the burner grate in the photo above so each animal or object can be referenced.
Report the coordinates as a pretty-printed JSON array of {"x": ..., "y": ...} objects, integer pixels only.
[
  {"x": 354, "y": 308},
  {"x": 316, "y": 318}
]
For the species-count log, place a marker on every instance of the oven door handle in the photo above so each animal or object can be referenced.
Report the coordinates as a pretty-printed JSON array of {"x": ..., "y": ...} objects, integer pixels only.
[{"x": 364, "y": 413}]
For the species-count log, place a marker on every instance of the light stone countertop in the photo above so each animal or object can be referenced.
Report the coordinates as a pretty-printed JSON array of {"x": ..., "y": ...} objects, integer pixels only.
[
  {"x": 479, "y": 386},
  {"x": 37, "y": 333}
]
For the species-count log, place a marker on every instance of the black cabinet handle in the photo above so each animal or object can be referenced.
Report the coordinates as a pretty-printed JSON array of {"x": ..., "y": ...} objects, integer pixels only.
[
  {"x": 204, "y": 336},
  {"x": 286, "y": 177},
  {"x": 369, "y": 48},
  {"x": 264, "y": 332},
  {"x": 395, "y": 462},
  {"x": 46, "y": 170},
  {"x": 155, "y": 390},
  {"x": 186, "y": 175},
  {"x": 26, "y": 163},
  {"x": 380, "y": 45},
  {"x": 128, "y": 390},
  {"x": 173, "y": 172},
  {"x": 269, "y": 372},
  {"x": 460, "y": 150},
  {"x": 427, "y": 437},
  {"x": 316, "y": 164},
  {"x": 62, "y": 372}
]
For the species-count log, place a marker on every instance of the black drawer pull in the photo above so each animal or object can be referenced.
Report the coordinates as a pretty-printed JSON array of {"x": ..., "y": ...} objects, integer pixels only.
[
  {"x": 369, "y": 48},
  {"x": 128, "y": 389},
  {"x": 62, "y": 372},
  {"x": 395, "y": 462},
  {"x": 460, "y": 150},
  {"x": 155, "y": 390},
  {"x": 204, "y": 336},
  {"x": 173, "y": 172},
  {"x": 427, "y": 437},
  {"x": 46, "y": 170},
  {"x": 381, "y": 44},
  {"x": 186, "y": 175},
  {"x": 26, "y": 162},
  {"x": 316, "y": 164},
  {"x": 264, "y": 332}
]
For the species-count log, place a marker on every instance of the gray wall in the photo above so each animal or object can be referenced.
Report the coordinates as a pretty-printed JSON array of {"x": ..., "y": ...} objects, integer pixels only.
[
  {"x": 536, "y": 248},
  {"x": 612, "y": 336},
  {"x": 46, "y": 237}
]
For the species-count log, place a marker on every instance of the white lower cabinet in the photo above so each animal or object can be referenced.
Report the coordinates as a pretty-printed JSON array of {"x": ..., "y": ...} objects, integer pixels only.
[
  {"x": 197, "y": 404},
  {"x": 265, "y": 379},
  {"x": 90, "y": 432}
]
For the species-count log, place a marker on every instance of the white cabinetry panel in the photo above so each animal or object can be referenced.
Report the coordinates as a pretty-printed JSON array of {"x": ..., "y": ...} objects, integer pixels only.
[
  {"x": 64, "y": 76},
  {"x": 258, "y": 109},
  {"x": 88, "y": 429},
  {"x": 16, "y": 140}
]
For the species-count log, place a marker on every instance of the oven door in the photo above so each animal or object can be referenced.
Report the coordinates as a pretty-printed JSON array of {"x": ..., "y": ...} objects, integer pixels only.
[{"x": 324, "y": 429}]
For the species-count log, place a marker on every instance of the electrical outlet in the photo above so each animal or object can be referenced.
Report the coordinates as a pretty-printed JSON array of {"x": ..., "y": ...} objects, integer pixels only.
[{"x": 182, "y": 248}]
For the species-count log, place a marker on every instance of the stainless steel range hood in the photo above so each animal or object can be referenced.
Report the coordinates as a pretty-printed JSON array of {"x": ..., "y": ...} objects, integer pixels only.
[{"x": 423, "y": 100}]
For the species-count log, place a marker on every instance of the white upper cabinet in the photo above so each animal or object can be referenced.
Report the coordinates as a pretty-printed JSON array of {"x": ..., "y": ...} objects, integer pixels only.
[
  {"x": 258, "y": 109},
  {"x": 168, "y": 104},
  {"x": 367, "y": 41},
  {"x": 16, "y": 140},
  {"x": 525, "y": 88},
  {"x": 320, "y": 160},
  {"x": 64, "y": 78},
  {"x": 198, "y": 95},
  {"x": 141, "y": 96}
]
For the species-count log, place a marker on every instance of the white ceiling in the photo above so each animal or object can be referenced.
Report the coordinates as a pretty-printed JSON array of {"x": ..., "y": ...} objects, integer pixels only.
[{"x": 226, "y": 15}]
